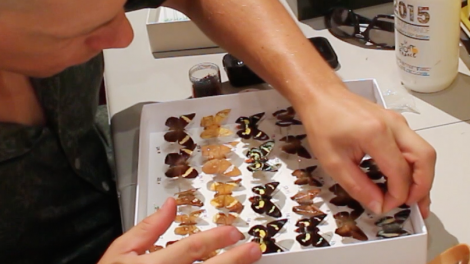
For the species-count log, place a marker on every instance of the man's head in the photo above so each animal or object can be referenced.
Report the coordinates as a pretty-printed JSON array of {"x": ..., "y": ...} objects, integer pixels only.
[{"x": 40, "y": 38}]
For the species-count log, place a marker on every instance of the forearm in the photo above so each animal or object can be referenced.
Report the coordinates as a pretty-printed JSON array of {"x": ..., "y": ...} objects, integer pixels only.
[{"x": 265, "y": 37}]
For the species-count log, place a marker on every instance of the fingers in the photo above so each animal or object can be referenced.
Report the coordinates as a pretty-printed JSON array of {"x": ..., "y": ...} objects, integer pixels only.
[
  {"x": 244, "y": 254},
  {"x": 355, "y": 182},
  {"x": 424, "y": 205},
  {"x": 144, "y": 234},
  {"x": 197, "y": 246},
  {"x": 422, "y": 156},
  {"x": 384, "y": 150}
]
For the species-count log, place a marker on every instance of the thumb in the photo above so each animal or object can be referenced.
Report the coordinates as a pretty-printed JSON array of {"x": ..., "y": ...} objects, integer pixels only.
[{"x": 144, "y": 234}]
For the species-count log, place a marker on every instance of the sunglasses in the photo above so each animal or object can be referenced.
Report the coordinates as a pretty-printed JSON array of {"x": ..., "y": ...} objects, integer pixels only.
[{"x": 346, "y": 25}]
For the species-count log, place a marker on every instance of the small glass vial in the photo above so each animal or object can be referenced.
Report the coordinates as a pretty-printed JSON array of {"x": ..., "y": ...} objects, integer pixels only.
[{"x": 205, "y": 78}]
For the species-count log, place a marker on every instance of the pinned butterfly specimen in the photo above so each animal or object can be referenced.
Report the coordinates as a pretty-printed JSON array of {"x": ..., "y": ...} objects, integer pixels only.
[
  {"x": 221, "y": 167},
  {"x": 286, "y": 117},
  {"x": 188, "y": 197},
  {"x": 372, "y": 170},
  {"x": 223, "y": 197},
  {"x": 305, "y": 176},
  {"x": 222, "y": 188},
  {"x": 257, "y": 158},
  {"x": 347, "y": 226},
  {"x": 179, "y": 167},
  {"x": 186, "y": 230},
  {"x": 225, "y": 219},
  {"x": 392, "y": 226},
  {"x": 306, "y": 197},
  {"x": 309, "y": 232},
  {"x": 264, "y": 235},
  {"x": 308, "y": 210},
  {"x": 212, "y": 125},
  {"x": 228, "y": 202},
  {"x": 190, "y": 219},
  {"x": 262, "y": 203},
  {"x": 249, "y": 127},
  {"x": 177, "y": 133},
  {"x": 344, "y": 199},
  {"x": 217, "y": 151},
  {"x": 294, "y": 146}
]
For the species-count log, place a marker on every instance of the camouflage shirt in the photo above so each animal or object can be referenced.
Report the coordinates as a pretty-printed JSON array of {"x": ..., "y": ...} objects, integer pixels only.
[{"x": 58, "y": 197}]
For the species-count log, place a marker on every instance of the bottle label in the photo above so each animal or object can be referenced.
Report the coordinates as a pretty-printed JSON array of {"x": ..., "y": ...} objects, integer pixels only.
[{"x": 412, "y": 25}]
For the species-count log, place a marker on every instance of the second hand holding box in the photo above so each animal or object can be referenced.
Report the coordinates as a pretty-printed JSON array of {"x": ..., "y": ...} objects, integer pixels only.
[{"x": 154, "y": 187}]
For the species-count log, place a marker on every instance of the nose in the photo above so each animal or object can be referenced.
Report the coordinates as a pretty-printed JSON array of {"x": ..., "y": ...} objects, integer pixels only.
[{"x": 117, "y": 34}]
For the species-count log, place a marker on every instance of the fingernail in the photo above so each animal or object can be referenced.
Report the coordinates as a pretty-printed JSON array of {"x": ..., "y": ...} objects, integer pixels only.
[
  {"x": 376, "y": 207},
  {"x": 255, "y": 251},
  {"x": 166, "y": 203}
]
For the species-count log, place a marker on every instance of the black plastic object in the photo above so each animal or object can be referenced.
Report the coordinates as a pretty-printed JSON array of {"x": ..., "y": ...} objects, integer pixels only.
[
  {"x": 240, "y": 75},
  {"x": 324, "y": 47}
]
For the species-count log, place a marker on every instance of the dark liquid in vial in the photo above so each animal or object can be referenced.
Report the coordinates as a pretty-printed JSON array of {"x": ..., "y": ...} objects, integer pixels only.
[{"x": 207, "y": 86}]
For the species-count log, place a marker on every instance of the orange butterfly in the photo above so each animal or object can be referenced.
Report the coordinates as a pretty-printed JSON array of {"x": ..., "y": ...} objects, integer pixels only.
[
  {"x": 217, "y": 151},
  {"x": 221, "y": 167},
  {"x": 212, "y": 125}
]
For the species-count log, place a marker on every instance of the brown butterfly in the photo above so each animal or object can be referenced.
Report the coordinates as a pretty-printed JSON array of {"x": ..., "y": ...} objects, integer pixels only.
[
  {"x": 286, "y": 117},
  {"x": 217, "y": 151},
  {"x": 347, "y": 226},
  {"x": 344, "y": 199},
  {"x": 309, "y": 210},
  {"x": 306, "y": 197},
  {"x": 224, "y": 219},
  {"x": 212, "y": 125},
  {"x": 186, "y": 230},
  {"x": 177, "y": 133},
  {"x": 179, "y": 166},
  {"x": 293, "y": 145},
  {"x": 188, "y": 198},
  {"x": 228, "y": 202},
  {"x": 221, "y": 167},
  {"x": 305, "y": 176},
  {"x": 157, "y": 247},
  {"x": 225, "y": 188},
  {"x": 190, "y": 219}
]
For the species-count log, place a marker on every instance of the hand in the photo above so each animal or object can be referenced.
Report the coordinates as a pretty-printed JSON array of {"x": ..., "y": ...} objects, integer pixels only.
[
  {"x": 131, "y": 247},
  {"x": 342, "y": 127}
]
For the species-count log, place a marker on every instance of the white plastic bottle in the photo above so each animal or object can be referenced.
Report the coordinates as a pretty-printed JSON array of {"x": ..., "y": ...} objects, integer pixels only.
[{"x": 427, "y": 43}]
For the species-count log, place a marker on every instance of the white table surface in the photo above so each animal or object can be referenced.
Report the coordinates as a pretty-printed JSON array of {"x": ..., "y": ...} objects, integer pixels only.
[{"x": 133, "y": 77}]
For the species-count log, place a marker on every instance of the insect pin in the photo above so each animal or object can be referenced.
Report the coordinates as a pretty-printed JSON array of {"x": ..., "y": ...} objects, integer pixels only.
[
  {"x": 257, "y": 158},
  {"x": 309, "y": 232},
  {"x": 263, "y": 235},
  {"x": 249, "y": 127},
  {"x": 177, "y": 127},
  {"x": 261, "y": 203}
]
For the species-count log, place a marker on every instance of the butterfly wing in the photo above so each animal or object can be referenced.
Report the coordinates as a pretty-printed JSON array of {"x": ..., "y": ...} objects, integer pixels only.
[
  {"x": 258, "y": 134},
  {"x": 270, "y": 188},
  {"x": 221, "y": 116},
  {"x": 271, "y": 209},
  {"x": 275, "y": 226},
  {"x": 307, "y": 210}
]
